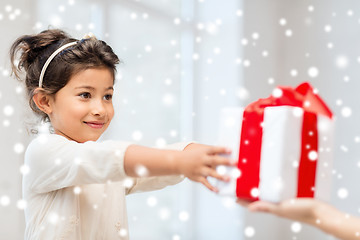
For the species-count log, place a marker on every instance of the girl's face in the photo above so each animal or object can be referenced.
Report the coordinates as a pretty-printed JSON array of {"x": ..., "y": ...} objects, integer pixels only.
[{"x": 83, "y": 109}]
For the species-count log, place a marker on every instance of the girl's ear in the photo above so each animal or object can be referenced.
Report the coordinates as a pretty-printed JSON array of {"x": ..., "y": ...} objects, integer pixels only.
[{"x": 42, "y": 101}]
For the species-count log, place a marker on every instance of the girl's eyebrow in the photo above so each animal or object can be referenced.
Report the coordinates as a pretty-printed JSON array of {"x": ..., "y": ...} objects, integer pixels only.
[{"x": 92, "y": 88}]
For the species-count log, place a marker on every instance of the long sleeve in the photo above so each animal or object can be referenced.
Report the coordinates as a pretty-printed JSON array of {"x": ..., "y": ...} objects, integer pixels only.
[
  {"x": 155, "y": 183},
  {"x": 55, "y": 163}
]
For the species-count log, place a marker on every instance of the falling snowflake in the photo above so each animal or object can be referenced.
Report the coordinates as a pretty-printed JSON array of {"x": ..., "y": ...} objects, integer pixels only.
[
  {"x": 176, "y": 237},
  {"x": 342, "y": 193},
  {"x": 288, "y": 33},
  {"x": 313, "y": 72},
  {"x": 133, "y": 16},
  {"x": 148, "y": 48},
  {"x": 24, "y": 169},
  {"x": 255, "y": 36},
  {"x": 228, "y": 202},
  {"x": 184, "y": 216},
  {"x": 4, "y": 200},
  {"x": 282, "y": 21},
  {"x": 246, "y": 63},
  {"x": 21, "y": 204},
  {"x": 328, "y": 28},
  {"x": 173, "y": 133},
  {"x": 277, "y": 93},
  {"x": 77, "y": 190},
  {"x": 139, "y": 79},
  {"x": 217, "y": 50},
  {"x": 168, "y": 99},
  {"x": 344, "y": 148},
  {"x": 222, "y": 170},
  {"x": 296, "y": 227},
  {"x": 244, "y": 42},
  {"x": 8, "y": 110},
  {"x": 137, "y": 135},
  {"x": 313, "y": 155},
  {"x": 141, "y": 170},
  {"x": 346, "y": 112},
  {"x": 61, "y": 8},
  {"x": 160, "y": 143},
  {"x": 151, "y": 201},
  {"x": 255, "y": 192},
  {"x": 242, "y": 93},
  {"x": 238, "y": 61},
  {"x": 123, "y": 232},
  {"x": 196, "y": 56},
  {"x": 128, "y": 182},
  {"x": 249, "y": 231},
  {"x": 235, "y": 173},
  {"x": 342, "y": 62},
  {"x": 53, "y": 218},
  {"x": 177, "y": 21},
  {"x": 239, "y": 13},
  {"x": 19, "y": 148},
  {"x": 293, "y": 72},
  {"x": 164, "y": 213},
  {"x": 298, "y": 112}
]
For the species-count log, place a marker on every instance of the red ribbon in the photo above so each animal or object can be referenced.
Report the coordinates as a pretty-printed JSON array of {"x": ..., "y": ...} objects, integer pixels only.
[{"x": 251, "y": 135}]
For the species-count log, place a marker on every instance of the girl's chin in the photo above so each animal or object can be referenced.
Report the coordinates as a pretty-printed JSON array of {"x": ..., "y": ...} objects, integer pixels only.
[
  {"x": 87, "y": 139},
  {"x": 81, "y": 137}
]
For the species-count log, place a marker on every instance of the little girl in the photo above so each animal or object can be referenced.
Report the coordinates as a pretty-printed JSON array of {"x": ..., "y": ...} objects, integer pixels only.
[{"x": 76, "y": 186}]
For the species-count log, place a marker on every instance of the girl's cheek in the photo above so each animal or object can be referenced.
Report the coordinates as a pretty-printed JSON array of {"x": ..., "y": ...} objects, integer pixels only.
[{"x": 111, "y": 112}]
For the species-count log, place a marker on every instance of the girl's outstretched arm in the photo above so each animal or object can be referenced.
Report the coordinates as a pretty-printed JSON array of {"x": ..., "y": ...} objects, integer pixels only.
[
  {"x": 196, "y": 162},
  {"x": 313, "y": 212}
]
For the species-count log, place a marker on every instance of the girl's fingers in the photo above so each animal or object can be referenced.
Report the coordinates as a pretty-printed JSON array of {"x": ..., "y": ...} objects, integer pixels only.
[
  {"x": 219, "y": 150},
  {"x": 205, "y": 182},
  {"x": 219, "y": 160},
  {"x": 214, "y": 174}
]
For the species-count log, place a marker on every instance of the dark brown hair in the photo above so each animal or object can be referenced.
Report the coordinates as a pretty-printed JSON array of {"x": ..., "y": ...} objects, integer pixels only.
[{"x": 34, "y": 50}]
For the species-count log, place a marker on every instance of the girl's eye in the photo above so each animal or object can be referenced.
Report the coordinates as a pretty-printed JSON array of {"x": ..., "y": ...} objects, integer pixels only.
[
  {"x": 108, "y": 97},
  {"x": 85, "y": 95}
]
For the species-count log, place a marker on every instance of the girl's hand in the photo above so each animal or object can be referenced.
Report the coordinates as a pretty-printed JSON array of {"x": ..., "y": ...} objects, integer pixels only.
[{"x": 200, "y": 161}]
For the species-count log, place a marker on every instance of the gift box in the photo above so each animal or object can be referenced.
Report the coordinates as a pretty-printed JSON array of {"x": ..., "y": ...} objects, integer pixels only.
[{"x": 283, "y": 145}]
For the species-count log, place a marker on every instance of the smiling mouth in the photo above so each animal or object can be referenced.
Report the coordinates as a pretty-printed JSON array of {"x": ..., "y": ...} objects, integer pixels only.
[{"x": 96, "y": 125}]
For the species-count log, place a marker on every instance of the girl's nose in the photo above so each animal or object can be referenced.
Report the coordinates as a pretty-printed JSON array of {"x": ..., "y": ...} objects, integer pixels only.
[{"x": 98, "y": 108}]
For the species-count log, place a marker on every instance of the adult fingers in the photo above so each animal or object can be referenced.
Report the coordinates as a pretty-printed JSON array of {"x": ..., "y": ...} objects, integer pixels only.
[
  {"x": 242, "y": 202},
  {"x": 262, "y": 206}
]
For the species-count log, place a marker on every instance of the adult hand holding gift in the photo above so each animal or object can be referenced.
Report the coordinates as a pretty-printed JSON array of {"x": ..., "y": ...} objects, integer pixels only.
[{"x": 284, "y": 146}]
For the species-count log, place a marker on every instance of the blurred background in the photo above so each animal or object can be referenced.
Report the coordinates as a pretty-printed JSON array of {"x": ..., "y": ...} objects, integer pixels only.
[{"x": 183, "y": 61}]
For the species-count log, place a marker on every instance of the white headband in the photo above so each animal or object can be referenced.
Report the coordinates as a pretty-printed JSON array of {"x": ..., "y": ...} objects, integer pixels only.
[
  {"x": 90, "y": 35},
  {"x": 43, "y": 70}
]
